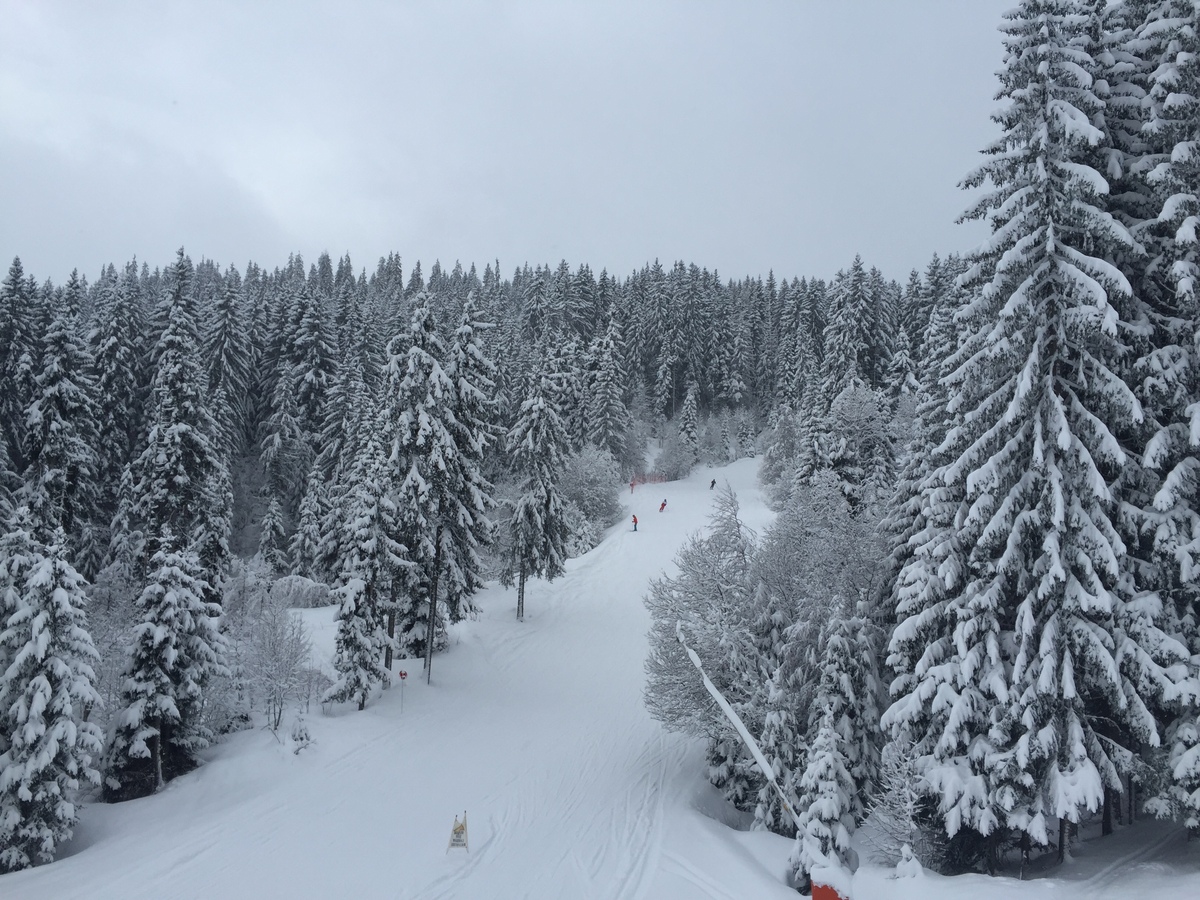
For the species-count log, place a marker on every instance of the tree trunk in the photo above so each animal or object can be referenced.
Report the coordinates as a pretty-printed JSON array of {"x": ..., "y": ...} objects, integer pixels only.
[
  {"x": 431, "y": 621},
  {"x": 156, "y": 752},
  {"x": 1106, "y": 823},
  {"x": 1064, "y": 835},
  {"x": 521, "y": 593},
  {"x": 387, "y": 654},
  {"x": 1132, "y": 795}
]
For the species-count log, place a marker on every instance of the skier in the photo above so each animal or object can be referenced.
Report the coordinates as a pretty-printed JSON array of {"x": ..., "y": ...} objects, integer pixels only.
[
  {"x": 635, "y": 523},
  {"x": 662, "y": 506},
  {"x": 631, "y": 484},
  {"x": 712, "y": 484}
]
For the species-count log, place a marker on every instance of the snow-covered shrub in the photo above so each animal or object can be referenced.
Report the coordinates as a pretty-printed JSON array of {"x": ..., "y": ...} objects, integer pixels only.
[
  {"x": 278, "y": 660},
  {"x": 676, "y": 459},
  {"x": 716, "y": 448},
  {"x": 268, "y": 656},
  {"x": 298, "y": 592},
  {"x": 582, "y": 533},
  {"x": 300, "y": 734},
  {"x": 900, "y": 818},
  {"x": 710, "y": 600},
  {"x": 591, "y": 479}
]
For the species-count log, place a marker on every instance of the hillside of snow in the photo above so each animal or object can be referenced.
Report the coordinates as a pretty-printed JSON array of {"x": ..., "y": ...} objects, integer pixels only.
[{"x": 538, "y": 732}]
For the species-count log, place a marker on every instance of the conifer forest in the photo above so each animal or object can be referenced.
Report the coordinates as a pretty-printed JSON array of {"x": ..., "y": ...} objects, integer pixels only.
[{"x": 963, "y": 630}]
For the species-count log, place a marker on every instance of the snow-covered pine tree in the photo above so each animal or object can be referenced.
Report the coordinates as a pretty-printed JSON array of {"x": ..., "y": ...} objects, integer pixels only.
[
  {"x": 425, "y": 471},
  {"x": 20, "y": 342},
  {"x": 229, "y": 360},
  {"x": 304, "y": 550},
  {"x": 313, "y": 362},
  {"x": 177, "y": 649},
  {"x": 61, "y": 433},
  {"x": 46, "y": 692},
  {"x": 119, "y": 376},
  {"x": 1161, "y": 45},
  {"x": 371, "y": 567},
  {"x": 825, "y": 798},
  {"x": 538, "y": 444},
  {"x": 1034, "y": 633},
  {"x": 473, "y": 374},
  {"x": 272, "y": 539},
  {"x": 847, "y": 334},
  {"x": 171, "y": 476},
  {"x": 848, "y": 695},
  {"x": 713, "y": 600},
  {"x": 609, "y": 423},
  {"x": 689, "y": 423}
]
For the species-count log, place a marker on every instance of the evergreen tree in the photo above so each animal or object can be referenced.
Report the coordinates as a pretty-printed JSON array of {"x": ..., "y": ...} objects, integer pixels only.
[
  {"x": 609, "y": 423},
  {"x": 426, "y": 469},
  {"x": 229, "y": 360},
  {"x": 1029, "y": 632},
  {"x": 272, "y": 540},
  {"x": 61, "y": 430},
  {"x": 119, "y": 375},
  {"x": 371, "y": 567},
  {"x": 46, "y": 692},
  {"x": 1158, "y": 48},
  {"x": 473, "y": 376},
  {"x": 826, "y": 788},
  {"x": 305, "y": 547},
  {"x": 689, "y": 423},
  {"x": 19, "y": 351},
  {"x": 538, "y": 445},
  {"x": 177, "y": 650},
  {"x": 171, "y": 476}
]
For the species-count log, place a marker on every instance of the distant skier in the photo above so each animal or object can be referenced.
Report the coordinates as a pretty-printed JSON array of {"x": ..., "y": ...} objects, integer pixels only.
[
  {"x": 662, "y": 506},
  {"x": 635, "y": 523},
  {"x": 712, "y": 484},
  {"x": 631, "y": 484}
]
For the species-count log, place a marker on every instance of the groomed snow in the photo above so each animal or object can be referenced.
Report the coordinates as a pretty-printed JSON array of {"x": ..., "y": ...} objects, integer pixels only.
[{"x": 537, "y": 730}]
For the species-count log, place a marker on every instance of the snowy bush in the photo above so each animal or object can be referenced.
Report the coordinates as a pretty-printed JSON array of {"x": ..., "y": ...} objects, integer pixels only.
[
  {"x": 715, "y": 446},
  {"x": 591, "y": 479},
  {"x": 900, "y": 818},
  {"x": 278, "y": 660},
  {"x": 582, "y": 533},
  {"x": 675, "y": 460},
  {"x": 298, "y": 592}
]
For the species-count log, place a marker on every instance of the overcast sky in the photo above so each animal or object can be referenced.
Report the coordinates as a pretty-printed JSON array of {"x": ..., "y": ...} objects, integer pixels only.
[{"x": 740, "y": 135}]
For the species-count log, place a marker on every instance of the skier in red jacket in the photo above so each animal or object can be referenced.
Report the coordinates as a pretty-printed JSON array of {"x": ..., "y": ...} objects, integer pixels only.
[
  {"x": 662, "y": 506},
  {"x": 635, "y": 523}
]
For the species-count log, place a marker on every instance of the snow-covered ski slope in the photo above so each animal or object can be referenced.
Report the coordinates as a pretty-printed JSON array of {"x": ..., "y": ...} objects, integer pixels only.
[{"x": 537, "y": 730}]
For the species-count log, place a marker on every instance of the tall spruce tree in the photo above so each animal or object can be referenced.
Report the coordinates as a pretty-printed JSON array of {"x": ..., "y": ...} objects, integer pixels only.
[
  {"x": 426, "y": 469},
  {"x": 371, "y": 567},
  {"x": 47, "y": 690},
  {"x": 473, "y": 374},
  {"x": 538, "y": 444},
  {"x": 177, "y": 649},
  {"x": 1031, "y": 690},
  {"x": 61, "y": 434}
]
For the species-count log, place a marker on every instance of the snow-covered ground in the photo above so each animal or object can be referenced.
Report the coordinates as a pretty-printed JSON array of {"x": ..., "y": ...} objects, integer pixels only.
[{"x": 537, "y": 730}]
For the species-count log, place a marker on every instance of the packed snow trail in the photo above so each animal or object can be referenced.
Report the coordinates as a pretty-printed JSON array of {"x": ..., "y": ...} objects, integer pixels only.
[{"x": 536, "y": 729}]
